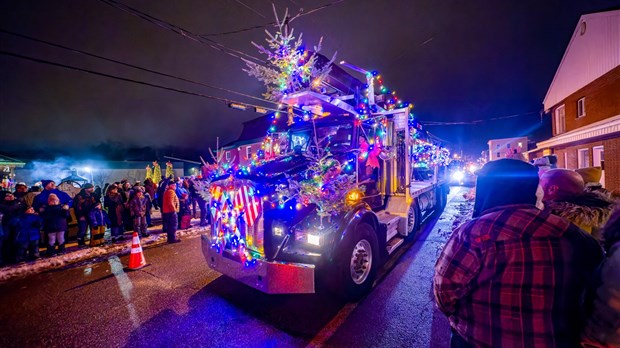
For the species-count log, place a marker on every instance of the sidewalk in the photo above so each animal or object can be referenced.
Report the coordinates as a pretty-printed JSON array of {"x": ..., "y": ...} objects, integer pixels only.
[{"x": 74, "y": 254}]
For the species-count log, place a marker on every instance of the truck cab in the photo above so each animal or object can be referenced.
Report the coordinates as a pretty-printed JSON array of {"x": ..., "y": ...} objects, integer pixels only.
[{"x": 279, "y": 244}]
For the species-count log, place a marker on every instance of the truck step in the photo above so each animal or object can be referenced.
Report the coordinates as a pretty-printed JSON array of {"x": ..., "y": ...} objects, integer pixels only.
[
  {"x": 391, "y": 223},
  {"x": 394, "y": 243}
]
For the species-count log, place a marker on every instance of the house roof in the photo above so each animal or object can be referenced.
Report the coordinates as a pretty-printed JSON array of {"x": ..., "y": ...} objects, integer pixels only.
[
  {"x": 594, "y": 49},
  {"x": 9, "y": 161},
  {"x": 255, "y": 129}
]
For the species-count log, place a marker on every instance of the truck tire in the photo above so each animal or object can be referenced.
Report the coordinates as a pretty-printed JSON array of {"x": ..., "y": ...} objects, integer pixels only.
[
  {"x": 358, "y": 263},
  {"x": 413, "y": 221}
]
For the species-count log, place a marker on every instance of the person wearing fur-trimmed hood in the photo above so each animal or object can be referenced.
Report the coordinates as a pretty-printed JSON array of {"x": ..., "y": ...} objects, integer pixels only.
[{"x": 565, "y": 196}]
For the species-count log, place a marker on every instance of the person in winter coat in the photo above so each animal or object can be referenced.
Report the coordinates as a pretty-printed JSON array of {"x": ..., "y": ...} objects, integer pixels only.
[
  {"x": 603, "y": 300},
  {"x": 21, "y": 190},
  {"x": 1, "y": 245},
  {"x": 151, "y": 188},
  {"x": 138, "y": 208},
  {"x": 55, "y": 218},
  {"x": 161, "y": 189},
  {"x": 98, "y": 220},
  {"x": 564, "y": 195},
  {"x": 11, "y": 209},
  {"x": 126, "y": 192},
  {"x": 169, "y": 209},
  {"x": 83, "y": 203},
  {"x": 113, "y": 202},
  {"x": 28, "y": 226},
  {"x": 49, "y": 187},
  {"x": 514, "y": 275}
]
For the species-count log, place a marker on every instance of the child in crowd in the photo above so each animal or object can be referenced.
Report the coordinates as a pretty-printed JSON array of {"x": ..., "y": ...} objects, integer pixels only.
[
  {"x": 27, "y": 239},
  {"x": 55, "y": 224},
  {"x": 99, "y": 220},
  {"x": 138, "y": 207}
]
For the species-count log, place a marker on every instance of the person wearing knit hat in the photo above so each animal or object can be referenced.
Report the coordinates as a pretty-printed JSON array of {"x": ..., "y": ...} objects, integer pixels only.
[
  {"x": 513, "y": 276},
  {"x": 49, "y": 186}
]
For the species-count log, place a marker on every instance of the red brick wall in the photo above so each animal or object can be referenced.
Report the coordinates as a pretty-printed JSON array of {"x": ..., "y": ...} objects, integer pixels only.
[
  {"x": 602, "y": 100},
  {"x": 611, "y": 149}
]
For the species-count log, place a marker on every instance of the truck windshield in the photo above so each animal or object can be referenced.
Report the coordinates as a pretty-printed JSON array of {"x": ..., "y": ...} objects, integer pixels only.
[{"x": 336, "y": 137}]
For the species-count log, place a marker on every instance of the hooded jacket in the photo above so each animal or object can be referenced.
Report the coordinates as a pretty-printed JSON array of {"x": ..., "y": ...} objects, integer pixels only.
[{"x": 590, "y": 211}]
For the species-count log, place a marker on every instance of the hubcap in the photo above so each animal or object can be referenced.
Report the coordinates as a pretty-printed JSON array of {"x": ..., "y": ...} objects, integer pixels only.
[
  {"x": 411, "y": 219},
  {"x": 361, "y": 261}
]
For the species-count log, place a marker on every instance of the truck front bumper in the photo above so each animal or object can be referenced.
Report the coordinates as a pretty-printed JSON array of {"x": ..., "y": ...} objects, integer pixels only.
[{"x": 270, "y": 277}]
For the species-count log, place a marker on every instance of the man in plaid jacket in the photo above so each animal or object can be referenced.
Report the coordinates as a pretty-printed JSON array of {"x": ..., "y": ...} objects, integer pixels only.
[{"x": 513, "y": 276}]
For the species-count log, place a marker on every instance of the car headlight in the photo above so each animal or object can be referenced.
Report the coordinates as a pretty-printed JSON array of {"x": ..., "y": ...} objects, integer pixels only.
[{"x": 458, "y": 176}]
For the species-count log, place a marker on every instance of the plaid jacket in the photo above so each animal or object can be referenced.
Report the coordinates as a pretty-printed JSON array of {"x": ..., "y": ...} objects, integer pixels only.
[{"x": 514, "y": 277}]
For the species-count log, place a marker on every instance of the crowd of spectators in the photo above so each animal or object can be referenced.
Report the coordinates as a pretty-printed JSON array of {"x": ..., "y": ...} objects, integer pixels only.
[{"x": 39, "y": 217}]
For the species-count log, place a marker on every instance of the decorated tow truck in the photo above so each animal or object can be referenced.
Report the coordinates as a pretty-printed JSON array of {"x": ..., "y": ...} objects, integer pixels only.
[{"x": 352, "y": 178}]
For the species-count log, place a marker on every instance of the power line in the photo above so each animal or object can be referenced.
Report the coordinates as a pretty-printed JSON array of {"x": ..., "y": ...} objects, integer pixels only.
[
  {"x": 134, "y": 66},
  {"x": 439, "y": 123},
  {"x": 70, "y": 67},
  {"x": 250, "y": 8},
  {"x": 273, "y": 23},
  {"x": 316, "y": 9},
  {"x": 180, "y": 31}
]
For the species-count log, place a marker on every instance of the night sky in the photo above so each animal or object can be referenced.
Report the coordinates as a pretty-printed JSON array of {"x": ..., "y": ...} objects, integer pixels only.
[{"x": 456, "y": 61}]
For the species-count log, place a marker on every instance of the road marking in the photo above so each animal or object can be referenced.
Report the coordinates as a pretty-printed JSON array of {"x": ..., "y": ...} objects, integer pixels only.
[
  {"x": 126, "y": 287},
  {"x": 321, "y": 338}
]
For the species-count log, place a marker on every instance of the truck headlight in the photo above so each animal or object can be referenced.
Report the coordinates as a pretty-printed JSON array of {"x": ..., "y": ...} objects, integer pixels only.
[
  {"x": 308, "y": 237},
  {"x": 278, "y": 229},
  {"x": 314, "y": 239}
]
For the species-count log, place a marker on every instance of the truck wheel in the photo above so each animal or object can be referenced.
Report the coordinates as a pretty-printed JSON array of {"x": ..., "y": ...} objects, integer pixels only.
[
  {"x": 413, "y": 221},
  {"x": 358, "y": 263}
]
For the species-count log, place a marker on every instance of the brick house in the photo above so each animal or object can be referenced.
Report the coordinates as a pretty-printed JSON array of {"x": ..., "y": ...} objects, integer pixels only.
[
  {"x": 584, "y": 99},
  {"x": 242, "y": 151}
]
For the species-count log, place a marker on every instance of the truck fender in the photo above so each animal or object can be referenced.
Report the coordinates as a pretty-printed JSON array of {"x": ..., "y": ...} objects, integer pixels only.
[{"x": 357, "y": 215}]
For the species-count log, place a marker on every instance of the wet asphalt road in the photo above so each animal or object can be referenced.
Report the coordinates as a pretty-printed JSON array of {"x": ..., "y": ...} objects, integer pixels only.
[{"x": 178, "y": 301}]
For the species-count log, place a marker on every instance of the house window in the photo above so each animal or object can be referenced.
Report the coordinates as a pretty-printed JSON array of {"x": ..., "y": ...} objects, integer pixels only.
[
  {"x": 560, "y": 125},
  {"x": 520, "y": 144},
  {"x": 581, "y": 107},
  {"x": 499, "y": 155},
  {"x": 498, "y": 146},
  {"x": 228, "y": 155},
  {"x": 508, "y": 146},
  {"x": 248, "y": 152},
  {"x": 583, "y": 158},
  {"x": 566, "y": 160}
]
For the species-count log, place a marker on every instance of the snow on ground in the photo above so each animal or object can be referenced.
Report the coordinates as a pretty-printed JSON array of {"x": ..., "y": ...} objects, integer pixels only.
[
  {"x": 75, "y": 255},
  {"x": 459, "y": 212}
]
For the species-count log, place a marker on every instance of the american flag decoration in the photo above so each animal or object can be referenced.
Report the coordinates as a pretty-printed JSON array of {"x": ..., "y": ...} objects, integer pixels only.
[{"x": 246, "y": 202}]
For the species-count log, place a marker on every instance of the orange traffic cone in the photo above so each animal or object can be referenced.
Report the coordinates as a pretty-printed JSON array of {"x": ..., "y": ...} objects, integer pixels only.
[{"x": 136, "y": 259}]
